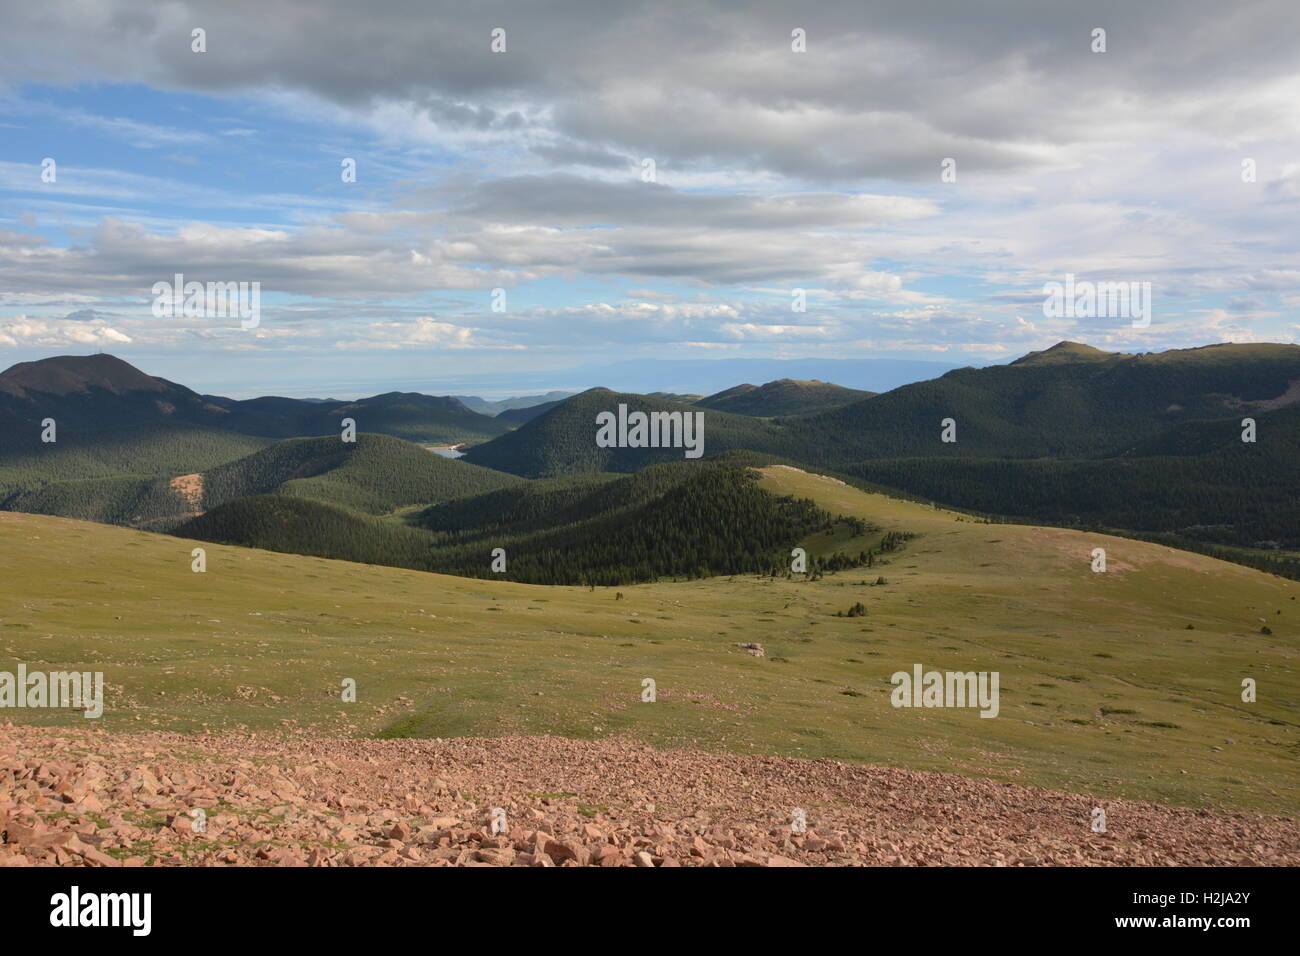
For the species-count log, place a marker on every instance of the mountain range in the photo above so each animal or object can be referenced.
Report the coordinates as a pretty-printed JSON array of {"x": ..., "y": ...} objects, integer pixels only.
[
  {"x": 1148, "y": 444},
  {"x": 95, "y": 393}
]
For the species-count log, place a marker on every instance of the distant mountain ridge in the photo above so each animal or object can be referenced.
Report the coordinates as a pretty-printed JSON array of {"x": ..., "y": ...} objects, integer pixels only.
[
  {"x": 374, "y": 475},
  {"x": 90, "y": 393},
  {"x": 785, "y": 396},
  {"x": 518, "y": 403},
  {"x": 70, "y": 374},
  {"x": 1148, "y": 442},
  {"x": 709, "y": 376},
  {"x": 1066, "y": 352},
  {"x": 93, "y": 392},
  {"x": 1067, "y": 401},
  {"x": 561, "y": 441}
]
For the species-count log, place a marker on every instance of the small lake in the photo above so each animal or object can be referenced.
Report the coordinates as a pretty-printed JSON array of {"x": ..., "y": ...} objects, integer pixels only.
[{"x": 448, "y": 452}]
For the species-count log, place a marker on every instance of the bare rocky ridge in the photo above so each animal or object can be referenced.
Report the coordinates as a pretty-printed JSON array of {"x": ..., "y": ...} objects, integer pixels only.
[{"x": 76, "y": 797}]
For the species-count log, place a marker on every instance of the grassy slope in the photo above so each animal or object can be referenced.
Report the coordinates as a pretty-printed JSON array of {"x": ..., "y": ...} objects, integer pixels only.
[{"x": 476, "y": 657}]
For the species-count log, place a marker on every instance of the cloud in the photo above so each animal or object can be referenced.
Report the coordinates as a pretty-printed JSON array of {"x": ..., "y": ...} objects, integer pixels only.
[
  {"x": 884, "y": 89},
  {"x": 775, "y": 170},
  {"x": 56, "y": 333},
  {"x": 425, "y": 331}
]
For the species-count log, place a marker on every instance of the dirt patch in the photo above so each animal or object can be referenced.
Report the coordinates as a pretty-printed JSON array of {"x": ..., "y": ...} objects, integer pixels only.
[
  {"x": 190, "y": 487},
  {"x": 1077, "y": 547}
]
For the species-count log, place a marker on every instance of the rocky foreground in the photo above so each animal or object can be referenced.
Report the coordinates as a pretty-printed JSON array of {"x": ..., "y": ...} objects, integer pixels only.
[{"x": 87, "y": 798}]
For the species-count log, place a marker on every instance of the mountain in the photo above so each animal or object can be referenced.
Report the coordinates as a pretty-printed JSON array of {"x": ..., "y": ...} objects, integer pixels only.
[
  {"x": 562, "y": 441},
  {"x": 1064, "y": 352},
  {"x": 785, "y": 396},
  {"x": 485, "y": 407},
  {"x": 374, "y": 475},
  {"x": 1142, "y": 443},
  {"x": 595, "y": 531},
  {"x": 685, "y": 399},
  {"x": 1066, "y": 402},
  {"x": 304, "y": 526},
  {"x": 78, "y": 374},
  {"x": 88, "y": 393},
  {"x": 1198, "y": 484},
  {"x": 517, "y": 416},
  {"x": 415, "y": 417},
  {"x": 707, "y": 376},
  {"x": 163, "y": 448},
  {"x": 408, "y": 415}
]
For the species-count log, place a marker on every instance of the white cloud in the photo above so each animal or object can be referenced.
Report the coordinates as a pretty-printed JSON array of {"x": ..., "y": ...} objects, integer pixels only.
[{"x": 54, "y": 333}]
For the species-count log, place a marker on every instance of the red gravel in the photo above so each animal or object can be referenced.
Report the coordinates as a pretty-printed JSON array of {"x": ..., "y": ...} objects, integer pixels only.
[{"x": 90, "y": 798}]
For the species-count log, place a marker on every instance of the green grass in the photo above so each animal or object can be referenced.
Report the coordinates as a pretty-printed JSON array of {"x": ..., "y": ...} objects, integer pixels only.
[{"x": 491, "y": 658}]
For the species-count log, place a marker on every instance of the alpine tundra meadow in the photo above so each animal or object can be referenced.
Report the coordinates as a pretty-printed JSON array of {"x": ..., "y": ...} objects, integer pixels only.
[{"x": 846, "y": 435}]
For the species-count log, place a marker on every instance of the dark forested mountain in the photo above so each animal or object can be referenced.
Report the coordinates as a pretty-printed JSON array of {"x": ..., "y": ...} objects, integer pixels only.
[
  {"x": 376, "y": 474},
  {"x": 678, "y": 520},
  {"x": 517, "y": 416},
  {"x": 168, "y": 448},
  {"x": 685, "y": 398},
  {"x": 786, "y": 396},
  {"x": 306, "y": 526},
  {"x": 1065, "y": 402},
  {"x": 519, "y": 402},
  {"x": 1200, "y": 482},
  {"x": 1065, "y": 352},
  {"x": 408, "y": 415},
  {"x": 1148, "y": 443},
  {"x": 562, "y": 441},
  {"x": 87, "y": 393},
  {"x": 415, "y": 417}
]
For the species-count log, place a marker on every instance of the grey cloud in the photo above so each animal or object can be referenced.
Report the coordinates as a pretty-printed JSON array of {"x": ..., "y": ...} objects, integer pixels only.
[
  {"x": 562, "y": 199},
  {"x": 887, "y": 88}
]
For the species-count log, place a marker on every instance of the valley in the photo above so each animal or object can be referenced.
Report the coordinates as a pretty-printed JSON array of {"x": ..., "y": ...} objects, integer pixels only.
[
  {"x": 524, "y": 595},
  {"x": 1126, "y": 683}
]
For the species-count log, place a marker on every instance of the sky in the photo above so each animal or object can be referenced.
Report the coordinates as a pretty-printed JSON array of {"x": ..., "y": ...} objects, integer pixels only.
[{"x": 626, "y": 182}]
